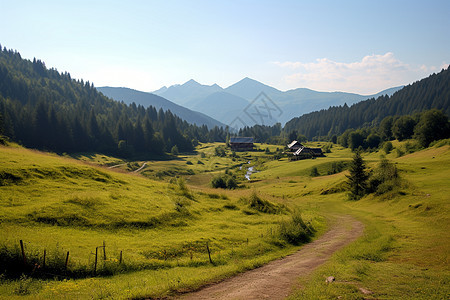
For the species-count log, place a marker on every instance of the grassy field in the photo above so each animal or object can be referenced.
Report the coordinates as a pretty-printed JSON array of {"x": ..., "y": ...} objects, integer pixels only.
[
  {"x": 162, "y": 228},
  {"x": 162, "y": 225}
]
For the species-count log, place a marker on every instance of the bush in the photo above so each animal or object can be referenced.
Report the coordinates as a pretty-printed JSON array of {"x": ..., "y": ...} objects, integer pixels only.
[
  {"x": 219, "y": 182},
  {"x": 261, "y": 205},
  {"x": 224, "y": 181},
  {"x": 220, "y": 151},
  {"x": 231, "y": 183},
  {"x": 385, "y": 178},
  {"x": 295, "y": 231},
  {"x": 387, "y": 147},
  {"x": 314, "y": 172},
  {"x": 174, "y": 150}
]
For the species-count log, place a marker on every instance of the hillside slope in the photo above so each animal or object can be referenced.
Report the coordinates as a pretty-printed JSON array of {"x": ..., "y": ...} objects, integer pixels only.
[
  {"x": 128, "y": 96},
  {"x": 45, "y": 109},
  {"x": 428, "y": 93}
]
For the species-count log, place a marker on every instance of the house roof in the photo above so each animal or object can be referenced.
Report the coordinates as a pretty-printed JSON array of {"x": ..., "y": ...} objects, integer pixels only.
[
  {"x": 241, "y": 140},
  {"x": 299, "y": 151},
  {"x": 293, "y": 144}
]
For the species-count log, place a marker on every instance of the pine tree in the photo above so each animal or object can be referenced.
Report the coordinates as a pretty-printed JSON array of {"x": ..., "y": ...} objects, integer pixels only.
[{"x": 357, "y": 180}]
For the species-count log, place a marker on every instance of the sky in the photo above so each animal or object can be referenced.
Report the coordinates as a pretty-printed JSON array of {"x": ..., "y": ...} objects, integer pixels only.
[{"x": 351, "y": 46}]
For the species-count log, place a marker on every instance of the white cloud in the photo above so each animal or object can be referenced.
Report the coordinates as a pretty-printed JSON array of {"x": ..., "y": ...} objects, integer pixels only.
[{"x": 371, "y": 74}]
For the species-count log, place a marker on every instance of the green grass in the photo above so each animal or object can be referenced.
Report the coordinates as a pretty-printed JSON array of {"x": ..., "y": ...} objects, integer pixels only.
[
  {"x": 162, "y": 227},
  {"x": 58, "y": 204},
  {"x": 404, "y": 251}
]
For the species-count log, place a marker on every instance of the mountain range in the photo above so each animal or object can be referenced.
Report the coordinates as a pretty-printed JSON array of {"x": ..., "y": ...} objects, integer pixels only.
[
  {"x": 129, "y": 96},
  {"x": 242, "y": 103}
]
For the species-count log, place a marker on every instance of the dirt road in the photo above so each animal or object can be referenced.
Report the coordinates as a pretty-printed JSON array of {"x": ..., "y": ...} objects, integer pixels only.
[{"x": 276, "y": 279}]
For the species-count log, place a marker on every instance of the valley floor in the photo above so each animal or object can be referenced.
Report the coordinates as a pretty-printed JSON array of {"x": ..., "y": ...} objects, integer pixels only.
[{"x": 177, "y": 236}]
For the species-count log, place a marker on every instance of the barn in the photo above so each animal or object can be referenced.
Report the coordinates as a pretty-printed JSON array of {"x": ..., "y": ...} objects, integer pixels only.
[{"x": 241, "y": 143}]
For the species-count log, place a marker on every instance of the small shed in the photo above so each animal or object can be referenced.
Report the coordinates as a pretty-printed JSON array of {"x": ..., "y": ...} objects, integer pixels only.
[
  {"x": 241, "y": 143},
  {"x": 294, "y": 146}
]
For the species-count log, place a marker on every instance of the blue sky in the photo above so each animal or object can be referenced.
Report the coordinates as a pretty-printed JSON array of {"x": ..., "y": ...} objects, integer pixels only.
[{"x": 351, "y": 46}]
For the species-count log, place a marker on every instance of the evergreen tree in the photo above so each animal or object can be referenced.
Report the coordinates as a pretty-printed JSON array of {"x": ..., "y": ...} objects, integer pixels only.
[{"x": 357, "y": 180}]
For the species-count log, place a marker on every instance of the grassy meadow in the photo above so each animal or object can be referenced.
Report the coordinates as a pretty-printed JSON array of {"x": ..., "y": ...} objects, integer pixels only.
[{"x": 164, "y": 225}]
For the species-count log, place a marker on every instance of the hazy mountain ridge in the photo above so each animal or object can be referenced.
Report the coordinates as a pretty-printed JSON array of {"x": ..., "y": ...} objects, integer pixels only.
[
  {"x": 227, "y": 104},
  {"x": 129, "y": 96},
  {"x": 188, "y": 91}
]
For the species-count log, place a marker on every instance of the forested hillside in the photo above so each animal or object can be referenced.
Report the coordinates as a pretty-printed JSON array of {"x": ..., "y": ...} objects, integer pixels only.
[
  {"x": 45, "y": 109},
  {"x": 428, "y": 93}
]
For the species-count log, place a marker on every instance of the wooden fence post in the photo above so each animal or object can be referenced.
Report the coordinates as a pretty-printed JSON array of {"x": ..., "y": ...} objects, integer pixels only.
[
  {"x": 43, "y": 263},
  {"x": 120, "y": 258},
  {"x": 23, "y": 253},
  {"x": 104, "y": 250},
  {"x": 67, "y": 260},
  {"x": 209, "y": 253},
  {"x": 95, "y": 263}
]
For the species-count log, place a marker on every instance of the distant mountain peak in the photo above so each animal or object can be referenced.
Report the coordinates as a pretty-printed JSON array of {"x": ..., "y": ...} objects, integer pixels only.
[
  {"x": 161, "y": 90},
  {"x": 191, "y": 82}
]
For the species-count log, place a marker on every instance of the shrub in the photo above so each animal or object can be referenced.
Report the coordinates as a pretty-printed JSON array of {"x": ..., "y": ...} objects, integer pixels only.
[
  {"x": 174, "y": 150},
  {"x": 295, "y": 231},
  {"x": 219, "y": 182},
  {"x": 385, "y": 178},
  {"x": 314, "y": 172},
  {"x": 220, "y": 151},
  {"x": 231, "y": 183},
  {"x": 261, "y": 205},
  {"x": 387, "y": 147},
  {"x": 225, "y": 181}
]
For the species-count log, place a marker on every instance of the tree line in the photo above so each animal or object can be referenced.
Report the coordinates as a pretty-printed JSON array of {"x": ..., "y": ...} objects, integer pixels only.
[
  {"x": 45, "y": 109},
  {"x": 428, "y": 93},
  {"x": 425, "y": 127},
  {"x": 368, "y": 123}
]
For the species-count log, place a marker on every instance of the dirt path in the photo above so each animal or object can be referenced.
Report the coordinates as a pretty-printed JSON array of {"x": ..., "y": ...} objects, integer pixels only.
[
  {"x": 276, "y": 279},
  {"x": 143, "y": 166}
]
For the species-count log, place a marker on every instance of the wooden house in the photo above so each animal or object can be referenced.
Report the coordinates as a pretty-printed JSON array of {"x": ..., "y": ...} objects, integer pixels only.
[
  {"x": 241, "y": 143},
  {"x": 306, "y": 152},
  {"x": 294, "y": 146}
]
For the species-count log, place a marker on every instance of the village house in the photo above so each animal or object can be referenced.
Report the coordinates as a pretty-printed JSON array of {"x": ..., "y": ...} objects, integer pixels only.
[
  {"x": 294, "y": 146},
  {"x": 303, "y": 152},
  {"x": 241, "y": 143}
]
